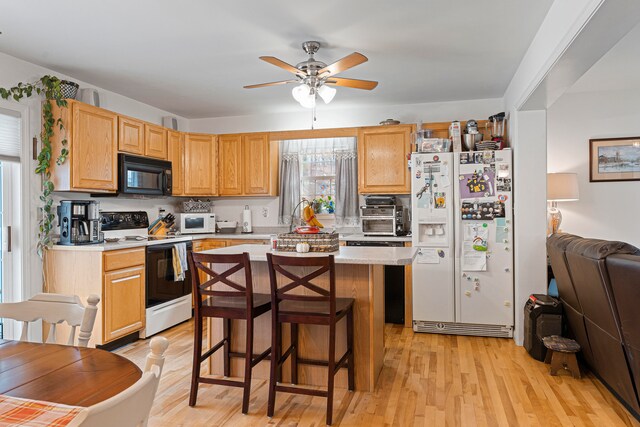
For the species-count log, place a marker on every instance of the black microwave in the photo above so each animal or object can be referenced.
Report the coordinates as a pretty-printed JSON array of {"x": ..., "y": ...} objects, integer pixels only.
[{"x": 142, "y": 175}]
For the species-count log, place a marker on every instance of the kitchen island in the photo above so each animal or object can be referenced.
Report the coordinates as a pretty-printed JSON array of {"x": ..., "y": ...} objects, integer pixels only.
[{"x": 359, "y": 275}]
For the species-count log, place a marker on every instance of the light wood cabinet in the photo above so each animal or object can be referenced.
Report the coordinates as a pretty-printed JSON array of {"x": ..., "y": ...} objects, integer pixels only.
[
  {"x": 260, "y": 165},
  {"x": 175, "y": 154},
  {"x": 92, "y": 138},
  {"x": 230, "y": 164},
  {"x": 118, "y": 276},
  {"x": 123, "y": 302},
  {"x": 130, "y": 135},
  {"x": 155, "y": 141},
  {"x": 236, "y": 242},
  {"x": 206, "y": 244},
  {"x": 123, "y": 292},
  {"x": 200, "y": 165},
  {"x": 248, "y": 165},
  {"x": 382, "y": 159},
  {"x": 408, "y": 293}
]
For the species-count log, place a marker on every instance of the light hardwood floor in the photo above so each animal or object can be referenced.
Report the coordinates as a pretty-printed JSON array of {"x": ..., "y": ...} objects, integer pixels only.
[{"x": 427, "y": 380}]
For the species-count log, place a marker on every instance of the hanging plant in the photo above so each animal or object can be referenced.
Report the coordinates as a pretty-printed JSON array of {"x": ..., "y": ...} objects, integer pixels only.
[{"x": 51, "y": 88}]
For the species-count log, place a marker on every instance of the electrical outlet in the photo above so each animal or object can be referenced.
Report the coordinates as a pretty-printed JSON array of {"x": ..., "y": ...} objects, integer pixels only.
[{"x": 265, "y": 212}]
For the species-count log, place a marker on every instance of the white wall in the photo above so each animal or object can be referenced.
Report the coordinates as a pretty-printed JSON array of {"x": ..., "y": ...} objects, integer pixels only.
[
  {"x": 605, "y": 210},
  {"x": 529, "y": 195},
  {"x": 561, "y": 26},
  {"x": 336, "y": 118},
  {"x": 12, "y": 71}
]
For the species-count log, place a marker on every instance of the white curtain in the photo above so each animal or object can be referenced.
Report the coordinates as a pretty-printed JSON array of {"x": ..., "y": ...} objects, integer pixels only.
[
  {"x": 289, "y": 181},
  {"x": 347, "y": 209},
  {"x": 344, "y": 154}
]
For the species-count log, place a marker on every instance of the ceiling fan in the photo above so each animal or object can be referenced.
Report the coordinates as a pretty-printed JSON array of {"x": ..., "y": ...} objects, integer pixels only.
[{"x": 317, "y": 78}]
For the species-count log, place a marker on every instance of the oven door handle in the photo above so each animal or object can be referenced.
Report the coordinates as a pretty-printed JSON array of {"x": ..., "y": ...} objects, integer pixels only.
[{"x": 166, "y": 246}]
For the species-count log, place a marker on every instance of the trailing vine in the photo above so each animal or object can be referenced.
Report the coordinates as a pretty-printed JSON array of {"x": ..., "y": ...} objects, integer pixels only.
[{"x": 50, "y": 87}]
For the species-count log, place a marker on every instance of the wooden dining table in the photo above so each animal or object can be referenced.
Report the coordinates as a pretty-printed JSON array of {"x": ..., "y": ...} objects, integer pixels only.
[{"x": 63, "y": 374}]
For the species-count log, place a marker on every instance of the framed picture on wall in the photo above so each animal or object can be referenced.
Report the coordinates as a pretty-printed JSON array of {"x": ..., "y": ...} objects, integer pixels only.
[{"x": 614, "y": 159}]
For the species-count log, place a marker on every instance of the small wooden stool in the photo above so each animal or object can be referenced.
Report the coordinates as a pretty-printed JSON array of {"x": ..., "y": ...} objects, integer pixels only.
[{"x": 561, "y": 353}]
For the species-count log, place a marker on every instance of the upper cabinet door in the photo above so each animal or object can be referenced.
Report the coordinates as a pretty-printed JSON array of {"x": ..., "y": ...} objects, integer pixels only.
[
  {"x": 382, "y": 159},
  {"x": 155, "y": 141},
  {"x": 175, "y": 142},
  {"x": 257, "y": 164},
  {"x": 130, "y": 135},
  {"x": 230, "y": 161},
  {"x": 200, "y": 165},
  {"x": 94, "y": 143}
]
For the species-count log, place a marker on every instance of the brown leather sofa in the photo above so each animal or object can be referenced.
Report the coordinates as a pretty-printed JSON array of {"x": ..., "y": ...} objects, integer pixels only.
[{"x": 597, "y": 281}]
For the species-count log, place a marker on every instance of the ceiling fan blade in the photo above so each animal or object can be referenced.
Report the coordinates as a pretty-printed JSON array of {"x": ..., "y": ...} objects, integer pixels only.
[
  {"x": 343, "y": 64},
  {"x": 270, "y": 84},
  {"x": 279, "y": 63},
  {"x": 354, "y": 83}
]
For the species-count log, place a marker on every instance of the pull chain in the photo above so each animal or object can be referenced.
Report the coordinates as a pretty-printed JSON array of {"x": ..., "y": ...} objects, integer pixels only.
[{"x": 313, "y": 117}]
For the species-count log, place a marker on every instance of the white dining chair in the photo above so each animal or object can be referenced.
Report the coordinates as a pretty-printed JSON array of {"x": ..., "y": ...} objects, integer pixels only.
[
  {"x": 54, "y": 309},
  {"x": 131, "y": 408}
]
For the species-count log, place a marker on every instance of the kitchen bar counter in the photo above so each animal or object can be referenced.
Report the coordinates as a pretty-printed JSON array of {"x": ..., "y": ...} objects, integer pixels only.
[
  {"x": 346, "y": 255},
  {"x": 359, "y": 275}
]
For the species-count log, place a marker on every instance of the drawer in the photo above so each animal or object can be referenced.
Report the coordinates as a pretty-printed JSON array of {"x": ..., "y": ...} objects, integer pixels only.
[{"x": 124, "y": 258}]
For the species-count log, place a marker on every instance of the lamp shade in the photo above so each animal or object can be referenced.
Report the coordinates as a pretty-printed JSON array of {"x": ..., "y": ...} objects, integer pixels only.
[
  {"x": 300, "y": 91},
  {"x": 562, "y": 187},
  {"x": 326, "y": 93}
]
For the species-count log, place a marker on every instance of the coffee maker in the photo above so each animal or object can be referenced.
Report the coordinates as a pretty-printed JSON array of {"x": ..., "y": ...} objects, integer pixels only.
[{"x": 79, "y": 222}]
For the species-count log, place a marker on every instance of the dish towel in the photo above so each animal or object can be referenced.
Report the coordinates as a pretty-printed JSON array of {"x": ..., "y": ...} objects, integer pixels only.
[
  {"x": 180, "y": 266},
  {"x": 15, "y": 411}
]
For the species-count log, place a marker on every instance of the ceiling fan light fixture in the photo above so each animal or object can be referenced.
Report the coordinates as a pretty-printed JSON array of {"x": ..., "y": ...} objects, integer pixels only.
[
  {"x": 299, "y": 92},
  {"x": 327, "y": 93},
  {"x": 308, "y": 100},
  {"x": 312, "y": 76}
]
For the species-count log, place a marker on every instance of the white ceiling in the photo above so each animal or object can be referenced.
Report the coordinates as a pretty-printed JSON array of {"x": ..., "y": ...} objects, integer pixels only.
[
  {"x": 618, "y": 69},
  {"x": 192, "y": 57}
]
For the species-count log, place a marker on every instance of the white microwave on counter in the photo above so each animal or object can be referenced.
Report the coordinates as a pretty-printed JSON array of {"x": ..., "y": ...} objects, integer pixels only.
[{"x": 196, "y": 223}]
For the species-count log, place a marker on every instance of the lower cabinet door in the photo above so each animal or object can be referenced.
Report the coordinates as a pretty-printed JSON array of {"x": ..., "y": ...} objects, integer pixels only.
[{"x": 123, "y": 302}]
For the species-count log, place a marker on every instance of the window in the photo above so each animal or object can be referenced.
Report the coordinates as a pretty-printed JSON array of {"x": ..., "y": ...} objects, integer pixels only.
[
  {"x": 323, "y": 169},
  {"x": 318, "y": 179}
]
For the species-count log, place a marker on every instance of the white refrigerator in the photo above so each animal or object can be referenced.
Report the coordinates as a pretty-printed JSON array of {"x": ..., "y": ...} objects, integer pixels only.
[{"x": 462, "y": 219}]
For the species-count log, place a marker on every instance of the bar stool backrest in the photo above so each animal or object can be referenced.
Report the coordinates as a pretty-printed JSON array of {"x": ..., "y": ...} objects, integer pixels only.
[
  {"x": 206, "y": 263},
  {"x": 325, "y": 264}
]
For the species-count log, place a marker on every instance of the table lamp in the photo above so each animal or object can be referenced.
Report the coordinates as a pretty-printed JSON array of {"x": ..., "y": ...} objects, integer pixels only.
[{"x": 561, "y": 187}]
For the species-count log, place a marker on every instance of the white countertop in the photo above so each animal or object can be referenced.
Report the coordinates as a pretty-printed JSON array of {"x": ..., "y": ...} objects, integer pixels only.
[
  {"x": 126, "y": 244},
  {"x": 346, "y": 255}
]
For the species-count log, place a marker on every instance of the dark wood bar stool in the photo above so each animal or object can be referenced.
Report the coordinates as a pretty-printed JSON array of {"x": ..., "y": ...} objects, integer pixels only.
[
  {"x": 238, "y": 303},
  {"x": 317, "y": 306}
]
